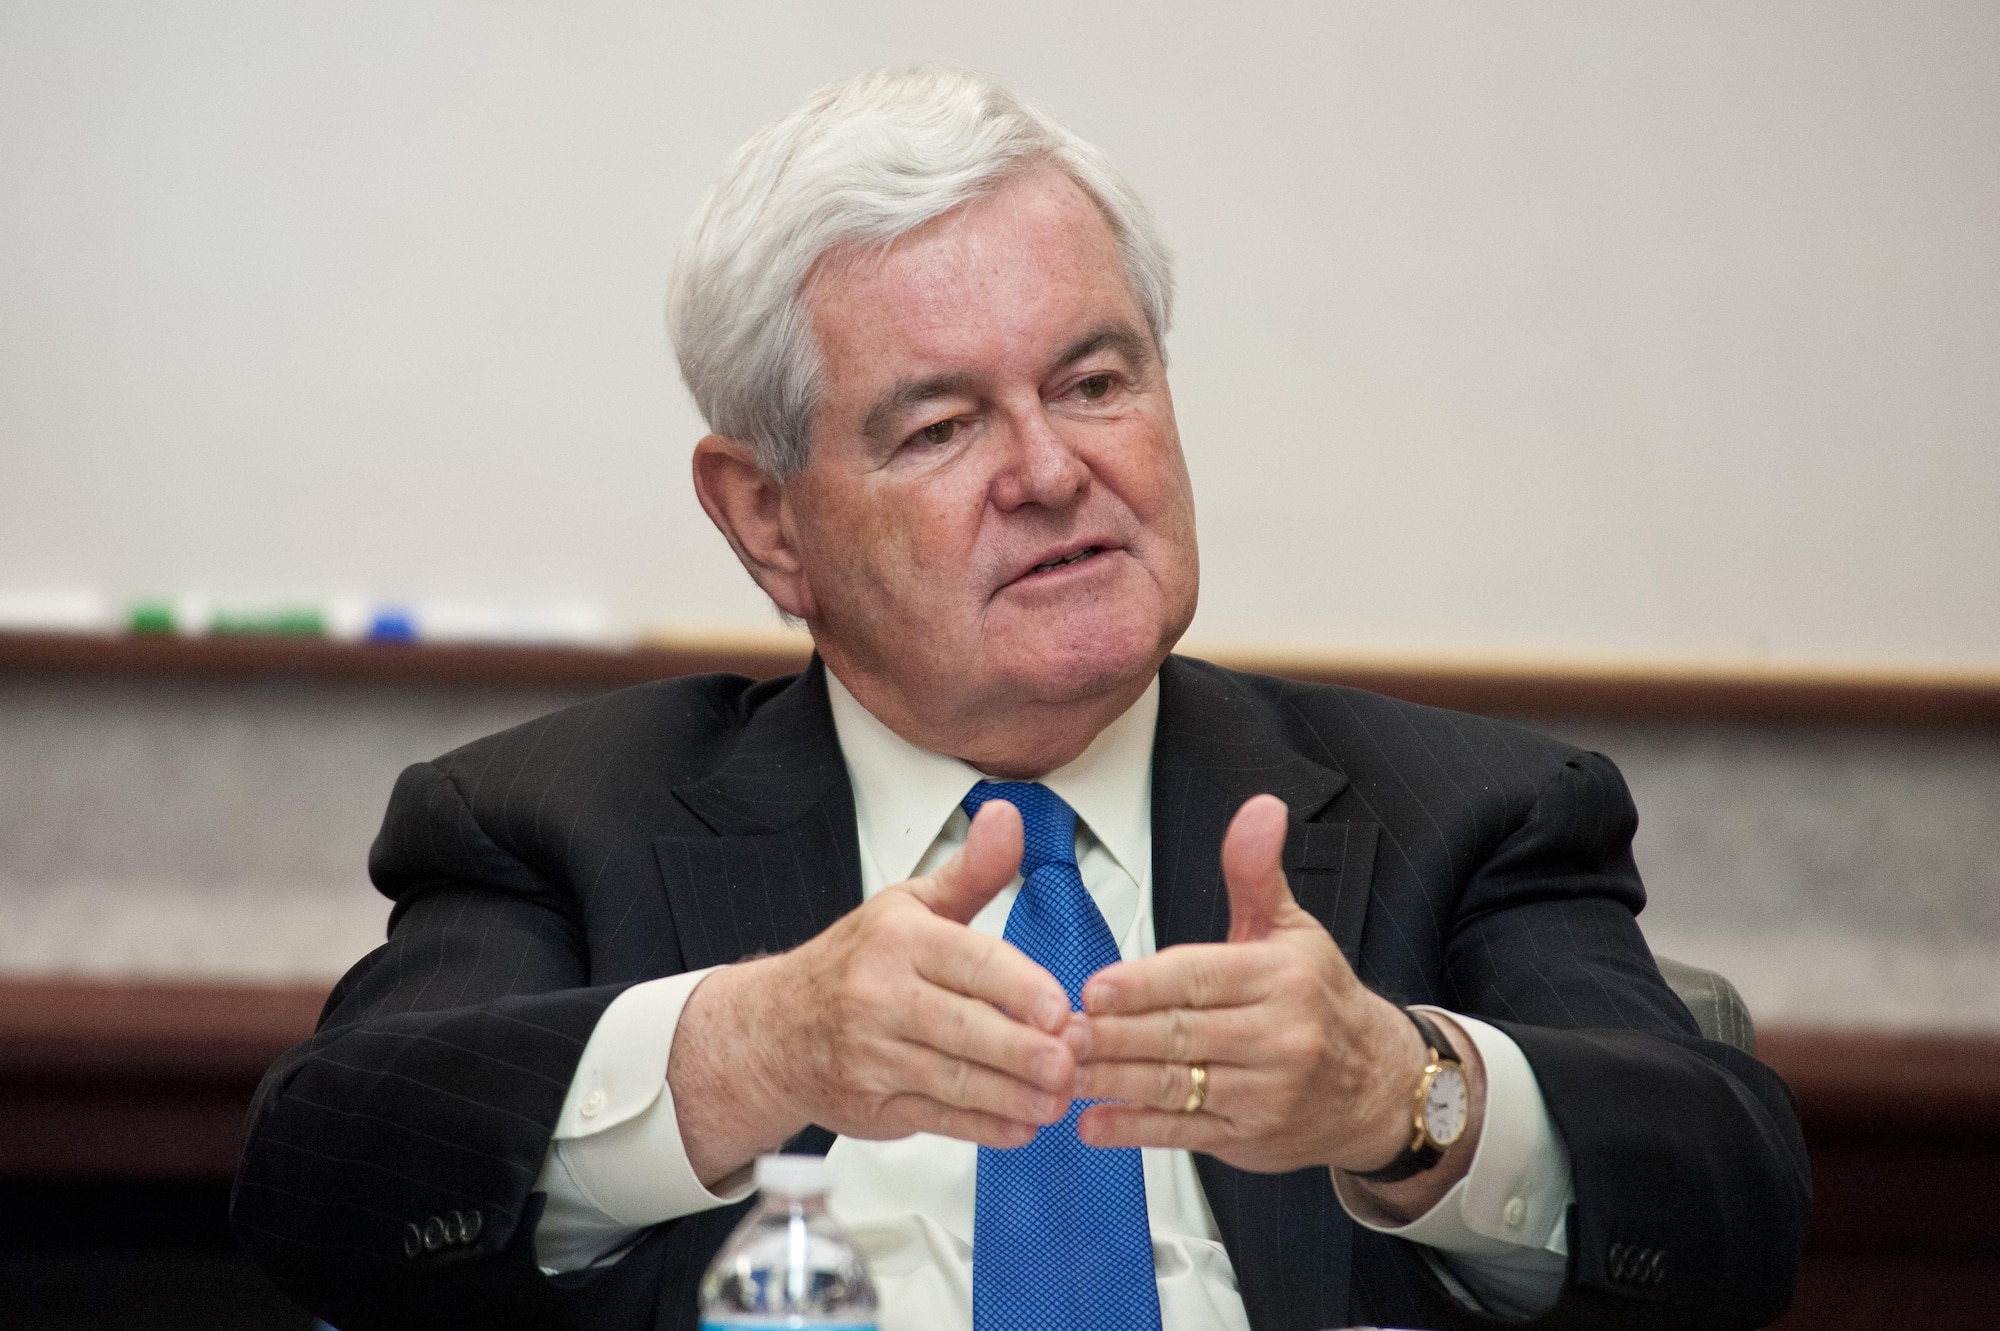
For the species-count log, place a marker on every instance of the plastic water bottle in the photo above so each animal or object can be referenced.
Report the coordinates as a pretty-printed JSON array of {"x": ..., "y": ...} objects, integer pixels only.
[{"x": 788, "y": 1265}]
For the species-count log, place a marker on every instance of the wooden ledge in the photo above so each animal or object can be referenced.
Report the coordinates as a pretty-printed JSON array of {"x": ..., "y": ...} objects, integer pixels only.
[
  {"x": 152, "y": 1079},
  {"x": 1654, "y": 692},
  {"x": 1663, "y": 692},
  {"x": 1861, "y": 1082},
  {"x": 106, "y": 1079},
  {"x": 89, "y": 1029},
  {"x": 449, "y": 665}
]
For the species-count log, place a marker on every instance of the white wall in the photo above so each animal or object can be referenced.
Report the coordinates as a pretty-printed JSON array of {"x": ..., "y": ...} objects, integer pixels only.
[{"x": 1660, "y": 330}]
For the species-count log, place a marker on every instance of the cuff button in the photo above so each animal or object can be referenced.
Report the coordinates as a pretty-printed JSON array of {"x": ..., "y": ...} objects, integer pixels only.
[
  {"x": 413, "y": 1241},
  {"x": 433, "y": 1234}
]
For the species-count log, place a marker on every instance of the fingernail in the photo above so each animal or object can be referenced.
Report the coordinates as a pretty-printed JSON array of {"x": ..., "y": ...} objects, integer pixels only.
[
  {"x": 1050, "y": 1012},
  {"x": 1077, "y": 1037},
  {"x": 1049, "y": 1067},
  {"x": 1096, "y": 994}
]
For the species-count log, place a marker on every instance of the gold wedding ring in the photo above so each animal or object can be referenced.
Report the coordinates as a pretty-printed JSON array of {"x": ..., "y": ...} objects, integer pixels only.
[{"x": 1197, "y": 1088}]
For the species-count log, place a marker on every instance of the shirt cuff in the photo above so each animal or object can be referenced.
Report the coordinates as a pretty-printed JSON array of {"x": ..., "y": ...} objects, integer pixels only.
[
  {"x": 617, "y": 1163},
  {"x": 1517, "y": 1193}
]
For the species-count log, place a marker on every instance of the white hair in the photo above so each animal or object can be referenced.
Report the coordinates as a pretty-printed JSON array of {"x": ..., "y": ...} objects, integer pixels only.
[{"x": 863, "y": 162}]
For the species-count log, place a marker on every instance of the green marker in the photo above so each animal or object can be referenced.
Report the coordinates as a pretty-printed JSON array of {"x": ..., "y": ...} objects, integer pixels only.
[
  {"x": 153, "y": 617},
  {"x": 274, "y": 622}
]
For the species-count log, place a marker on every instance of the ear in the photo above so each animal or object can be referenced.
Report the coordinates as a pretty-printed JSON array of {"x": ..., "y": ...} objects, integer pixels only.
[{"x": 748, "y": 506}]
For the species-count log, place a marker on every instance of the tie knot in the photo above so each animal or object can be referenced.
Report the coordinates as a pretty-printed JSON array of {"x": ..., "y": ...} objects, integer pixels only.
[{"x": 1048, "y": 822}]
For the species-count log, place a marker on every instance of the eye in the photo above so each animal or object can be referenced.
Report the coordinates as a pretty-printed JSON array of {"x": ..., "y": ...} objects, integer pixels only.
[
  {"x": 936, "y": 434},
  {"x": 1095, "y": 388}
]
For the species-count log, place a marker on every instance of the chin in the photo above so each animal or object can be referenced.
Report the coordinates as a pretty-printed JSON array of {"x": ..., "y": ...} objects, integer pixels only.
[{"x": 1069, "y": 668}]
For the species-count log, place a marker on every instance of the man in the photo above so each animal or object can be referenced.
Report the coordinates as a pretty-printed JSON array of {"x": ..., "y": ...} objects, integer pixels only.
[{"x": 1164, "y": 1081}]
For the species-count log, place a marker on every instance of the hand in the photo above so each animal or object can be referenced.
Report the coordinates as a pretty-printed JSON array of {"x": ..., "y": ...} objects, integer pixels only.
[
  {"x": 895, "y": 1020},
  {"x": 1306, "y": 1066}
]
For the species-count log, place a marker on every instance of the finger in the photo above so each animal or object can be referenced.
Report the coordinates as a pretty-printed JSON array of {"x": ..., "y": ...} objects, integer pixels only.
[
  {"x": 1190, "y": 975},
  {"x": 1235, "y": 1035},
  {"x": 1123, "y": 1125},
  {"x": 968, "y": 1028},
  {"x": 916, "y": 1113},
  {"x": 996, "y": 971},
  {"x": 1161, "y": 1086},
  {"x": 963, "y": 1084},
  {"x": 987, "y": 862},
  {"x": 1252, "y": 867}
]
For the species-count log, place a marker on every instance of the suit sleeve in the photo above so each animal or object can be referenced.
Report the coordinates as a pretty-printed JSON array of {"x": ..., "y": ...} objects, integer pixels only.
[
  {"x": 387, "y": 1171},
  {"x": 1692, "y": 1186}
]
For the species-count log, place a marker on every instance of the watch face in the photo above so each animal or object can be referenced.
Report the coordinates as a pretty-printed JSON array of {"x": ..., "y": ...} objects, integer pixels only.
[{"x": 1445, "y": 1107}]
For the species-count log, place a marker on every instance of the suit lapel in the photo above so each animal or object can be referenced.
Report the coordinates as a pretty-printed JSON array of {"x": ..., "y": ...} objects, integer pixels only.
[
  {"x": 1329, "y": 865},
  {"x": 1289, "y": 1241},
  {"x": 1215, "y": 748},
  {"x": 779, "y": 861}
]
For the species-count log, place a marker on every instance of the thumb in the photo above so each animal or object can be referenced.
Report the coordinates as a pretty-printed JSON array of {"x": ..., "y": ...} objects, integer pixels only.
[
  {"x": 1252, "y": 867},
  {"x": 986, "y": 863}
]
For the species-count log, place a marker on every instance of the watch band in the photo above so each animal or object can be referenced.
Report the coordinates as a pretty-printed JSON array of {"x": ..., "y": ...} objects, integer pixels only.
[{"x": 1422, "y": 1153}]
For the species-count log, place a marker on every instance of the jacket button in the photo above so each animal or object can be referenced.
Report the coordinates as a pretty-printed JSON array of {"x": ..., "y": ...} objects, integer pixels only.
[
  {"x": 413, "y": 1241},
  {"x": 433, "y": 1234}
]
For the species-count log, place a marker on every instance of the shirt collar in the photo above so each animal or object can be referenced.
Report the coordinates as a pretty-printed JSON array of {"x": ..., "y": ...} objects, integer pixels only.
[{"x": 904, "y": 795}]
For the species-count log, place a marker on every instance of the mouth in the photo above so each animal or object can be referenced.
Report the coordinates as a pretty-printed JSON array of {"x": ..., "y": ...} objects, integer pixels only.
[{"x": 1064, "y": 561}]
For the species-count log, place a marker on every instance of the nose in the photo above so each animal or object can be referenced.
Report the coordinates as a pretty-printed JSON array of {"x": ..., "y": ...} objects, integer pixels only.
[{"x": 1041, "y": 468}]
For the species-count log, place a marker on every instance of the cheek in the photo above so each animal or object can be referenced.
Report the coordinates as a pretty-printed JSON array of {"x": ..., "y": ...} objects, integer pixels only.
[
  {"x": 1147, "y": 472},
  {"x": 940, "y": 531},
  {"x": 898, "y": 547}
]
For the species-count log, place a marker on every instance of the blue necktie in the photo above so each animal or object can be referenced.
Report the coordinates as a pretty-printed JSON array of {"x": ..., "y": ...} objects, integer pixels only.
[{"x": 1059, "y": 1239}]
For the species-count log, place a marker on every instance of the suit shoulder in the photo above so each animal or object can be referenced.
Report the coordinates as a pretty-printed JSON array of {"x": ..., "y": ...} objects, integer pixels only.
[
  {"x": 516, "y": 809},
  {"x": 674, "y": 729}
]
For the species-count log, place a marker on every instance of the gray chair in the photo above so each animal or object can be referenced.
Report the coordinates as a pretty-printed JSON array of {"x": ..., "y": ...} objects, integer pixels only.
[{"x": 1718, "y": 1009}]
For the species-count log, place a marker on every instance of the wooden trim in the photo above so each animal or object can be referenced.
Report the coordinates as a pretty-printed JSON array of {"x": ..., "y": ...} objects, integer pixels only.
[
  {"x": 1861, "y": 1082},
  {"x": 1652, "y": 692},
  {"x": 452, "y": 665},
  {"x": 1657, "y": 692},
  {"x": 152, "y": 1079},
  {"x": 64, "y": 1029}
]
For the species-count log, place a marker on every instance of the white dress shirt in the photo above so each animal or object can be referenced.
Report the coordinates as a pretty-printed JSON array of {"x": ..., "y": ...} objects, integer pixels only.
[{"x": 617, "y": 1164}]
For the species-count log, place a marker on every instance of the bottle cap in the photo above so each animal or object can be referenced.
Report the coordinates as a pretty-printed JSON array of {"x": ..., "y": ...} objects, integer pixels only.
[{"x": 792, "y": 1175}]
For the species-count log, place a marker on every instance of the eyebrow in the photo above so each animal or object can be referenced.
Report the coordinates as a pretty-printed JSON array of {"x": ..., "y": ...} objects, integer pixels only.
[
  {"x": 907, "y": 396},
  {"x": 1120, "y": 338}
]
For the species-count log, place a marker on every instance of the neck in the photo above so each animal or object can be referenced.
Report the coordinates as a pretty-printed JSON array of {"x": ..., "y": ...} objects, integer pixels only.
[{"x": 1013, "y": 739}]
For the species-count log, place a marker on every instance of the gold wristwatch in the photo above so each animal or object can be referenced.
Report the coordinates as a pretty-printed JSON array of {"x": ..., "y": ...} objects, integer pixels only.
[{"x": 1439, "y": 1108}]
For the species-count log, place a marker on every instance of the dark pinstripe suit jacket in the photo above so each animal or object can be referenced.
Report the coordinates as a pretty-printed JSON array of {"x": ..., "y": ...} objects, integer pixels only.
[{"x": 539, "y": 872}]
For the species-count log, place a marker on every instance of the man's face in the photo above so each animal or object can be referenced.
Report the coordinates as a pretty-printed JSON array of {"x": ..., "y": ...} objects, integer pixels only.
[{"x": 997, "y": 513}]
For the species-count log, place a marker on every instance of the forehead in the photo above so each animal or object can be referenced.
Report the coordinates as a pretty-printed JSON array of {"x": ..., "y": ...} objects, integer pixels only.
[{"x": 999, "y": 281}]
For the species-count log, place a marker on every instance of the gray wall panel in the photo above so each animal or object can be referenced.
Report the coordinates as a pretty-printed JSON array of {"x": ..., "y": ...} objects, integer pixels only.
[{"x": 1838, "y": 875}]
